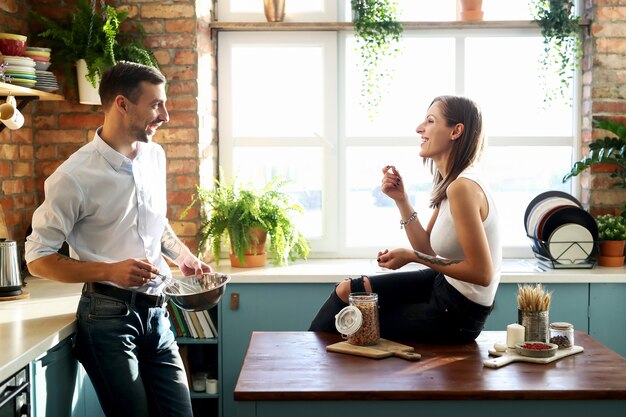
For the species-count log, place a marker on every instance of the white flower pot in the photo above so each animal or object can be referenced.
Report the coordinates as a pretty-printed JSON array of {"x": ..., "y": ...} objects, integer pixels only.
[{"x": 87, "y": 93}]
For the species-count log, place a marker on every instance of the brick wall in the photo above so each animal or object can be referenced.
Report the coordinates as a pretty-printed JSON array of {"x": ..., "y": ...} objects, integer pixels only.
[
  {"x": 604, "y": 95},
  {"x": 54, "y": 130},
  {"x": 17, "y": 190}
]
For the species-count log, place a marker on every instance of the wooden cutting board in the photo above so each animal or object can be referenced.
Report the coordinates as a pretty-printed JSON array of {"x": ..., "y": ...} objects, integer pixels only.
[
  {"x": 510, "y": 356},
  {"x": 383, "y": 349}
]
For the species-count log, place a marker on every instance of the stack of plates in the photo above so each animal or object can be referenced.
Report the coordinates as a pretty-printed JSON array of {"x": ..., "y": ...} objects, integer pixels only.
[
  {"x": 21, "y": 70},
  {"x": 561, "y": 229},
  {"x": 46, "y": 81},
  {"x": 41, "y": 56}
]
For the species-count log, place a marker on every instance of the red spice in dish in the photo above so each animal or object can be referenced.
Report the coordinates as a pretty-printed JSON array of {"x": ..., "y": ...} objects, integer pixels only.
[{"x": 536, "y": 346}]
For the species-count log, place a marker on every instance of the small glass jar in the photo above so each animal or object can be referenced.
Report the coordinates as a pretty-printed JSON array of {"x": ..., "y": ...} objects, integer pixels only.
[
  {"x": 359, "y": 321},
  {"x": 562, "y": 334}
]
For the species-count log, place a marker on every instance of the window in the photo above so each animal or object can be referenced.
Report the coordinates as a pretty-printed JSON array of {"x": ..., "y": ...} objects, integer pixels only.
[{"x": 289, "y": 105}]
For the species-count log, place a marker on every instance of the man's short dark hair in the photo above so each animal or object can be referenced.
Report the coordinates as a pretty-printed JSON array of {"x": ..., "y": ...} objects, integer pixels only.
[{"x": 125, "y": 78}]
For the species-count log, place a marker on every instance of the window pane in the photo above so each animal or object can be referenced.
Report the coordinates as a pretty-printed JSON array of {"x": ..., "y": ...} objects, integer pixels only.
[
  {"x": 301, "y": 166},
  {"x": 514, "y": 10},
  {"x": 277, "y": 91},
  {"x": 412, "y": 87},
  {"x": 517, "y": 175},
  {"x": 506, "y": 86},
  {"x": 248, "y": 6},
  {"x": 372, "y": 219}
]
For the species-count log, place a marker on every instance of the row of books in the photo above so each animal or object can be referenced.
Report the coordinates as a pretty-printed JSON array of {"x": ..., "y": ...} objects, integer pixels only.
[{"x": 194, "y": 324}]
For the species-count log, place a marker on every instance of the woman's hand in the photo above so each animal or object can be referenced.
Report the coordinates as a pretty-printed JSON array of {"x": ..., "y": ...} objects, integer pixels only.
[
  {"x": 394, "y": 259},
  {"x": 392, "y": 184}
]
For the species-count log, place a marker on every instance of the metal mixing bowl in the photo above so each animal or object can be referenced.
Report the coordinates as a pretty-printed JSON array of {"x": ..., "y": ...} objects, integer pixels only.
[{"x": 192, "y": 294}]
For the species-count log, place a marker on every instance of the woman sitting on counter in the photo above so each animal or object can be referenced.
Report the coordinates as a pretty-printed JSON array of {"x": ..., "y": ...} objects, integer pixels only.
[{"x": 449, "y": 301}]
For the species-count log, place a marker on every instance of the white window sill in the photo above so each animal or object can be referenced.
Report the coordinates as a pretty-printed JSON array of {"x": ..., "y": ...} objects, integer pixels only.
[{"x": 335, "y": 270}]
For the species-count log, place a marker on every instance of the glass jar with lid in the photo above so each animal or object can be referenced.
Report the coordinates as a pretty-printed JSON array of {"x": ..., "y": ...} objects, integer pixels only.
[
  {"x": 562, "y": 334},
  {"x": 359, "y": 321}
]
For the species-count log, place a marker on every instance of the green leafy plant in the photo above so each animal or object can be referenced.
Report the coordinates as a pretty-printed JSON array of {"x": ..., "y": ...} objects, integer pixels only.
[
  {"x": 610, "y": 150},
  {"x": 377, "y": 33},
  {"x": 231, "y": 211},
  {"x": 611, "y": 227},
  {"x": 94, "y": 37},
  {"x": 562, "y": 46}
]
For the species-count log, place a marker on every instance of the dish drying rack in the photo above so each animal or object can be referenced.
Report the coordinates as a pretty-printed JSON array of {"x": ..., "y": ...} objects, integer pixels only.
[{"x": 549, "y": 262}]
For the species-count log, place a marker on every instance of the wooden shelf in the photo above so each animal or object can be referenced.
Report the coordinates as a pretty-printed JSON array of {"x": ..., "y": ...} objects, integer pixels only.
[
  {"x": 296, "y": 26},
  {"x": 320, "y": 26},
  {"x": 18, "y": 91}
]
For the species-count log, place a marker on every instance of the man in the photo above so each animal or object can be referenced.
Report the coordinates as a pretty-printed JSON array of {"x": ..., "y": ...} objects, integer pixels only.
[{"x": 108, "y": 201}]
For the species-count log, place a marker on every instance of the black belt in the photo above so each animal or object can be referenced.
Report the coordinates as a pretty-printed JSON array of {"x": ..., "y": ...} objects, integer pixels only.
[{"x": 140, "y": 299}]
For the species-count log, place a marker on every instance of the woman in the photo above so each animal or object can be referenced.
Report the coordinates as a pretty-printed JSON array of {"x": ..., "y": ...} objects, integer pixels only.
[{"x": 450, "y": 300}]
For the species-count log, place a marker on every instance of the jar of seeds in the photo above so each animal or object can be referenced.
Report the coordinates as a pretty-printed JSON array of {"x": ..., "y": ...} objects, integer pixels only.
[
  {"x": 359, "y": 321},
  {"x": 562, "y": 334}
]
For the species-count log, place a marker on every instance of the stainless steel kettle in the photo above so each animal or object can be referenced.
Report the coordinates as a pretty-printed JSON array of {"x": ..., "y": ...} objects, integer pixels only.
[{"x": 10, "y": 275}]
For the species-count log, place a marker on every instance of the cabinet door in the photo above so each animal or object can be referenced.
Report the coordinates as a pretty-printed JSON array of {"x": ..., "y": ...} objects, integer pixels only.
[
  {"x": 607, "y": 315},
  {"x": 55, "y": 388},
  {"x": 261, "y": 307},
  {"x": 569, "y": 303}
]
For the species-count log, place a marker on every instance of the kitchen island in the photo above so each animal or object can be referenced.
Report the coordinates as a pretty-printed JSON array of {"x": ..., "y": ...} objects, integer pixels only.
[{"x": 291, "y": 373}]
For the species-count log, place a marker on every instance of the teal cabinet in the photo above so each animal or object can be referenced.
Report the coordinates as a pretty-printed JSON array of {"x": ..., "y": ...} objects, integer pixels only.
[
  {"x": 60, "y": 385},
  {"x": 607, "y": 318},
  {"x": 569, "y": 303},
  {"x": 261, "y": 307}
]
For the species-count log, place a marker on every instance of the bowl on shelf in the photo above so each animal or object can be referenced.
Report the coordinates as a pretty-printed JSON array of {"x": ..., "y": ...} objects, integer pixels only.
[
  {"x": 12, "y": 44},
  {"x": 191, "y": 294}
]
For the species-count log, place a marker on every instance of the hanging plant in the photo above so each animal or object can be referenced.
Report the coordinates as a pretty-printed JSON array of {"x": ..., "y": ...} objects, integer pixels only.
[
  {"x": 562, "y": 46},
  {"x": 377, "y": 33}
]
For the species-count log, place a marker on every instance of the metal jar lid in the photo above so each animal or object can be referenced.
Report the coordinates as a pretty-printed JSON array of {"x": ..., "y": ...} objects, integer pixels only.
[{"x": 348, "y": 320}]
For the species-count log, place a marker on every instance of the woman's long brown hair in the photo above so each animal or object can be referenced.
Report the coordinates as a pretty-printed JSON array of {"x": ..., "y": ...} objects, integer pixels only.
[{"x": 465, "y": 150}]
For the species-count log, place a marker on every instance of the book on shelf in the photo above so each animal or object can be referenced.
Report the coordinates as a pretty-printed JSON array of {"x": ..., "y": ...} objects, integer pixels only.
[
  {"x": 178, "y": 314},
  {"x": 211, "y": 324},
  {"x": 192, "y": 329},
  {"x": 206, "y": 329}
]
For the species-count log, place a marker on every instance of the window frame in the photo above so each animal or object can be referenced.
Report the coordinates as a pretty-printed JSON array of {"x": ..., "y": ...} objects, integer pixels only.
[{"x": 333, "y": 242}]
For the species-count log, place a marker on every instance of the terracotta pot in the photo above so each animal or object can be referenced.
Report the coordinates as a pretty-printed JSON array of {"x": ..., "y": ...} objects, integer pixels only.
[
  {"x": 612, "y": 247},
  {"x": 471, "y": 10},
  {"x": 614, "y": 261},
  {"x": 255, "y": 256}
]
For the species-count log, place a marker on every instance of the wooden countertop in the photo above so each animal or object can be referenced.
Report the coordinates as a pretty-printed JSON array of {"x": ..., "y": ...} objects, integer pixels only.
[
  {"x": 31, "y": 326},
  {"x": 296, "y": 366}
]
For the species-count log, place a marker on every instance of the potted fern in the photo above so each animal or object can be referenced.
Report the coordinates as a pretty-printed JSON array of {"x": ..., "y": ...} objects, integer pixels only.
[
  {"x": 377, "y": 33},
  {"x": 245, "y": 216},
  {"x": 93, "y": 42},
  {"x": 612, "y": 237}
]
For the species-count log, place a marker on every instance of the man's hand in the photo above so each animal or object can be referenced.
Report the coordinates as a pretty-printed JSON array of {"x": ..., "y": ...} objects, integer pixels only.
[
  {"x": 190, "y": 265},
  {"x": 131, "y": 272}
]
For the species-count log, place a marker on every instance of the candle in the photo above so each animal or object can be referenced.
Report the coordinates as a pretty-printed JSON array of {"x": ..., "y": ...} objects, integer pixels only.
[{"x": 514, "y": 334}]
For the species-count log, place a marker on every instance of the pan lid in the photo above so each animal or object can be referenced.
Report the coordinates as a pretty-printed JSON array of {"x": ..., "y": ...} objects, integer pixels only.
[{"x": 348, "y": 320}]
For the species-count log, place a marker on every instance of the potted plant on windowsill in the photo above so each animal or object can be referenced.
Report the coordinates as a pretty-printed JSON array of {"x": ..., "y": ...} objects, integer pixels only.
[
  {"x": 562, "y": 46},
  {"x": 245, "y": 216},
  {"x": 93, "y": 42},
  {"x": 612, "y": 239}
]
